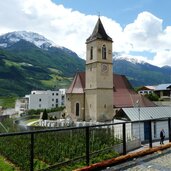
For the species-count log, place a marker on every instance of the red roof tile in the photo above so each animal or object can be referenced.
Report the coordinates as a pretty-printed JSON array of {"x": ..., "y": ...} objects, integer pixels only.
[
  {"x": 78, "y": 84},
  {"x": 123, "y": 94}
]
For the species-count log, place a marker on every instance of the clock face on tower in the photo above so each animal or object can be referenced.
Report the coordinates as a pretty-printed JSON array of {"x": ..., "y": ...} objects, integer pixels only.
[{"x": 104, "y": 68}]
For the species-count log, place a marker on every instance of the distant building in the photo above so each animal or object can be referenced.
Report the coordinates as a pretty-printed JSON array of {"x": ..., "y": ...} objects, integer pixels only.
[
  {"x": 41, "y": 100},
  {"x": 162, "y": 90},
  {"x": 142, "y": 115},
  {"x": 146, "y": 90},
  {"x": 21, "y": 105},
  {"x": 46, "y": 99}
]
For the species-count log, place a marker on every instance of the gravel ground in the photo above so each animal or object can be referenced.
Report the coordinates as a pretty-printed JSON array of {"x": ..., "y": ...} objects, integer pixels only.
[{"x": 158, "y": 161}]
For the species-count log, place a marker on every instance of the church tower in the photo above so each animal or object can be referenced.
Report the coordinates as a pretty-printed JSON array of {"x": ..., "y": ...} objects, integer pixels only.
[{"x": 99, "y": 75}]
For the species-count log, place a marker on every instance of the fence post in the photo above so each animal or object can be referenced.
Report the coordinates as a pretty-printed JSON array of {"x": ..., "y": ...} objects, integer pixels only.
[
  {"x": 124, "y": 138},
  {"x": 87, "y": 146},
  {"x": 150, "y": 135},
  {"x": 169, "y": 129},
  {"x": 32, "y": 152}
]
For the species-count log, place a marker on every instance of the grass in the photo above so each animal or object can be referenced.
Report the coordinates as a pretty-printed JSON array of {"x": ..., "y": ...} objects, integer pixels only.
[
  {"x": 57, "y": 81},
  {"x": 11, "y": 63},
  {"x": 95, "y": 159},
  {"x": 7, "y": 102},
  {"x": 30, "y": 120},
  {"x": 6, "y": 165}
]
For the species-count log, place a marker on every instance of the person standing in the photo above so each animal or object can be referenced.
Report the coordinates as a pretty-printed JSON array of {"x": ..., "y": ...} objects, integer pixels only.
[{"x": 162, "y": 136}]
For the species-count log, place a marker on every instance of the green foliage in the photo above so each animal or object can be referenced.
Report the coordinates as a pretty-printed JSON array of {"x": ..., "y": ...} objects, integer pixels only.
[
  {"x": 141, "y": 74},
  {"x": 152, "y": 97},
  {"x": 24, "y": 67},
  {"x": 8, "y": 102},
  {"x": 95, "y": 159},
  {"x": 38, "y": 111},
  {"x": 9, "y": 125},
  {"x": 6, "y": 165},
  {"x": 45, "y": 115},
  {"x": 52, "y": 148}
]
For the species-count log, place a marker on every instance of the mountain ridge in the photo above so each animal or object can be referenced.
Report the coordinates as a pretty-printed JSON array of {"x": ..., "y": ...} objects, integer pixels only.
[
  {"x": 38, "y": 40},
  {"x": 37, "y": 67},
  {"x": 28, "y": 63},
  {"x": 141, "y": 73}
]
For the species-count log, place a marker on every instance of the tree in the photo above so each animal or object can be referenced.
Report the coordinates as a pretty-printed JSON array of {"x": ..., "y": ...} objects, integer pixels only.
[
  {"x": 152, "y": 97},
  {"x": 45, "y": 115}
]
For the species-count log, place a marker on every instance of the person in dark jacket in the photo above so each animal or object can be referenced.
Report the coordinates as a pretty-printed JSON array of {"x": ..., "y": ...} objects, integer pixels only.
[{"x": 162, "y": 136}]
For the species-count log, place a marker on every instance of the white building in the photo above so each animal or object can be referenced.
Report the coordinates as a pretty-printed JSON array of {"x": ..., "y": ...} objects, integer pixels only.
[
  {"x": 46, "y": 99},
  {"x": 158, "y": 116},
  {"x": 41, "y": 100},
  {"x": 146, "y": 90},
  {"x": 21, "y": 105}
]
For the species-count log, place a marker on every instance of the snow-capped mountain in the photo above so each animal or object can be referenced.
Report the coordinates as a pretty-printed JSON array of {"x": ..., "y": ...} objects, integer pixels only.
[
  {"x": 140, "y": 72},
  {"x": 128, "y": 58},
  {"x": 38, "y": 40},
  {"x": 132, "y": 60},
  {"x": 35, "y": 63}
]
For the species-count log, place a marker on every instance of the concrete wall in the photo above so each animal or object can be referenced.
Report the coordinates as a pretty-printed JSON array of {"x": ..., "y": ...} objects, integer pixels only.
[
  {"x": 71, "y": 100},
  {"x": 130, "y": 145},
  {"x": 155, "y": 127}
]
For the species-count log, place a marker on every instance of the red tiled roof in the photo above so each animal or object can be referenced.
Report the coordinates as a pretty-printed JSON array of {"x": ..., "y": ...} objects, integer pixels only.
[
  {"x": 123, "y": 94},
  {"x": 78, "y": 84}
]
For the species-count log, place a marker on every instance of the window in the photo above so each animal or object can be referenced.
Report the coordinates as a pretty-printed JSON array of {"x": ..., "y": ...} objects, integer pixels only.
[
  {"x": 56, "y": 100},
  {"x": 91, "y": 53},
  {"x": 39, "y": 105},
  {"x": 77, "y": 109},
  {"x": 56, "y": 94},
  {"x": 52, "y": 99},
  {"x": 40, "y": 100},
  {"x": 52, "y": 94},
  {"x": 103, "y": 52}
]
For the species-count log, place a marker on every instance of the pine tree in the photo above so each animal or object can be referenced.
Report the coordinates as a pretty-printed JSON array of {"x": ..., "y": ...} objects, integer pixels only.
[{"x": 45, "y": 115}]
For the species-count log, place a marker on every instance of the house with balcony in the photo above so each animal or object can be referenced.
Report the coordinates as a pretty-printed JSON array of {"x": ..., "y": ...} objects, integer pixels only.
[{"x": 163, "y": 91}]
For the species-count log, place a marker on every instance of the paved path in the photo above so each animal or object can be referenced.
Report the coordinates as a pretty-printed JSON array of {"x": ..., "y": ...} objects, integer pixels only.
[{"x": 158, "y": 161}]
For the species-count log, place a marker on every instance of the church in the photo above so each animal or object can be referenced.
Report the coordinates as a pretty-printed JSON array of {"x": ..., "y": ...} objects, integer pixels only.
[{"x": 97, "y": 93}]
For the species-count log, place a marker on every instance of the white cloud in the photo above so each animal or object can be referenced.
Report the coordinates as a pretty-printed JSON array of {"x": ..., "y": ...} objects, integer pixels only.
[
  {"x": 70, "y": 28},
  {"x": 146, "y": 34},
  {"x": 143, "y": 33},
  {"x": 162, "y": 58}
]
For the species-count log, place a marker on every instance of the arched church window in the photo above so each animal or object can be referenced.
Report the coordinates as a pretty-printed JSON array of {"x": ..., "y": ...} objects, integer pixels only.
[
  {"x": 77, "y": 109},
  {"x": 91, "y": 53},
  {"x": 103, "y": 52}
]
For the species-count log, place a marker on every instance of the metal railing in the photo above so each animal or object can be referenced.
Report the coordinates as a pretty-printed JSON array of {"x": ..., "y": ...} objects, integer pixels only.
[{"x": 52, "y": 148}]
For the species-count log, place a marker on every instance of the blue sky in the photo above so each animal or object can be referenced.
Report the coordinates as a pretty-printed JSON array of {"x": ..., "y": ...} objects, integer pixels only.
[
  {"x": 123, "y": 11},
  {"x": 140, "y": 29}
]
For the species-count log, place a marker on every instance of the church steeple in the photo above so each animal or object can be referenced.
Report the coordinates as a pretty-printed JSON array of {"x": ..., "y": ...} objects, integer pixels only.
[
  {"x": 99, "y": 33},
  {"x": 99, "y": 75}
]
